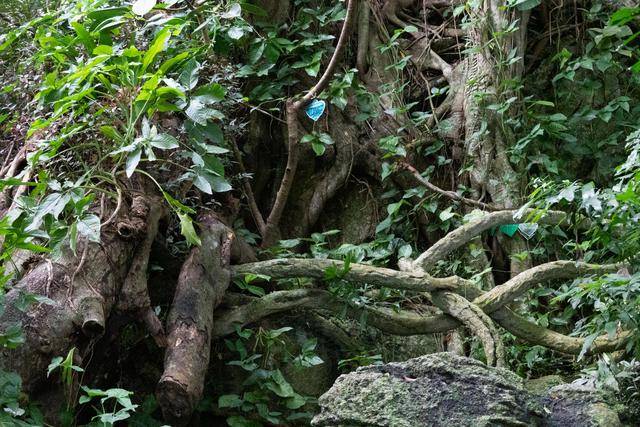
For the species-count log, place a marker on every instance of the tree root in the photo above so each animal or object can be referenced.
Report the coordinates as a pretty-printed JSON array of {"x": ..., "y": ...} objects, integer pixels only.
[
  {"x": 256, "y": 309},
  {"x": 202, "y": 283},
  {"x": 134, "y": 296},
  {"x": 481, "y": 325},
  {"x": 504, "y": 294},
  {"x": 470, "y": 307},
  {"x": 52, "y": 328},
  {"x": 405, "y": 323}
]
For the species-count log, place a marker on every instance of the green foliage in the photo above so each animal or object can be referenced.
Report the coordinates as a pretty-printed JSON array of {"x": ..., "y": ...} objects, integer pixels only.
[
  {"x": 66, "y": 366},
  {"x": 115, "y": 405},
  {"x": 267, "y": 396},
  {"x": 12, "y": 403},
  {"x": 97, "y": 77},
  {"x": 621, "y": 378},
  {"x": 244, "y": 283},
  {"x": 318, "y": 141},
  {"x": 121, "y": 89},
  {"x": 590, "y": 107}
]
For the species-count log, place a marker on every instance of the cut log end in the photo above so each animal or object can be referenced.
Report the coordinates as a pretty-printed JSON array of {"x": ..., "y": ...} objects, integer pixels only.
[
  {"x": 175, "y": 400},
  {"x": 93, "y": 322}
]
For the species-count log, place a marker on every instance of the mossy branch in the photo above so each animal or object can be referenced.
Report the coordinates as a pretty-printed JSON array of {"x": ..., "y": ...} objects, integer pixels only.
[
  {"x": 462, "y": 235},
  {"x": 287, "y": 268}
]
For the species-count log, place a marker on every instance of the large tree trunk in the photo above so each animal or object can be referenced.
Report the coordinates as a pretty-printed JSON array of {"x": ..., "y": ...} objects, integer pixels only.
[{"x": 82, "y": 291}]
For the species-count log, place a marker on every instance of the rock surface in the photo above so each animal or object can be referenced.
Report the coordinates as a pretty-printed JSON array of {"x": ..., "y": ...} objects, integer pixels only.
[{"x": 448, "y": 390}]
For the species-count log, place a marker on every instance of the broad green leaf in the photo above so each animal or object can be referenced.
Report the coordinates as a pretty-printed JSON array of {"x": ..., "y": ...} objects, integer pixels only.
[
  {"x": 235, "y": 33},
  {"x": 142, "y": 7},
  {"x": 308, "y": 138},
  {"x": 219, "y": 184},
  {"x": 325, "y": 138},
  {"x": 52, "y": 204},
  {"x": 171, "y": 62},
  {"x": 164, "y": 141},
  {"x": 132, "y": 161},
  {"x": 280, "y": 386},
  {"x": 55, "y": 363},
  {"x": 234, "y": 11},
  {"x": 202, "y": 184},
  {"x": 318, "y": 148},
  {"x": 112, "y": 133},
  {"x": 405, "y": 251},
  {"x": 84, "y": 36},
  {"x": 624, "y": 15},
  {"x": 588, "y": 341},
  {"x": 158, "y": 45},
  {"x": 295, "y": 402},
  {"x": 210, "y": 132},
  {"x": 200, "y": 113},
  {"x": 190, "y": 74},
  {"x": 89, "y": 226},
  {"x": 101, "y": 15},
  {"x": 187, "y": 229},
  {"x": 229, "y": 401},
  {"x": 446, "y": 214},
  {"x": 210, "y": 93}
]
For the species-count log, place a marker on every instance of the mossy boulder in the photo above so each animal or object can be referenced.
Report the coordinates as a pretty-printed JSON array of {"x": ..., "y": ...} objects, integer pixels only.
[
  {"x": 580, "y": 404},
  {"x": 541, "y": 385},
  {"x": 448, "y": 390}
]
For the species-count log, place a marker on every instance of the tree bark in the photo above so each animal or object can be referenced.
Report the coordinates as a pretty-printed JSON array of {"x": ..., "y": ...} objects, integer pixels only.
[{"x": 203, "y": 281}]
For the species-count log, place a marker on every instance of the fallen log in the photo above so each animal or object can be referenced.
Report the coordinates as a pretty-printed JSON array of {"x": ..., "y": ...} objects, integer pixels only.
[{"x": 202, "y": 283}]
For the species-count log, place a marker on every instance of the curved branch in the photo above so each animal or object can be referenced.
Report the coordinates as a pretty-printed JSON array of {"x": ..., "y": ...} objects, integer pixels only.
[
  {"x": 467, "y": 232},
  {"x": 226, "y": 321},
  {"x": 449, "y": 194},
  {"x": 287, "y": 268},
  {"x": 503, "y": 294},
  {"x": 134, "y": 297},
  {"x": 333, "y": 62},
  {"x": 403, "y": 322},
  {"x": 536, "y": 334},
  {"x": 203, "y": 281}
]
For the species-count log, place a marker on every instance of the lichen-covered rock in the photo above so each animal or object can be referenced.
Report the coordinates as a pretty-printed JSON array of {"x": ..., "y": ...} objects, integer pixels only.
[
  {"x": 448, "y": 390},
  {"x": 577, "y": 404},
  {"x": 438, "y": 389}
]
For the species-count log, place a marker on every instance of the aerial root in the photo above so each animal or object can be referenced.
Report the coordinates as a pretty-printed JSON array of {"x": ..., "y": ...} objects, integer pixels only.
[
  {"x": 134, "y": 295},
  {"x": 472, "y": 317}
]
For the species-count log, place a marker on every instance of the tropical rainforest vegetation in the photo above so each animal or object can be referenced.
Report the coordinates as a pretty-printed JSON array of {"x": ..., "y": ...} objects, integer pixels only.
[{"x": 206, "y": 203}]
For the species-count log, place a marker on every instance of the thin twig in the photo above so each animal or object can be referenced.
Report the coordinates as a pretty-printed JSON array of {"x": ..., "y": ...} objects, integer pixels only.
[
  {"x": 449, "y": 194},
  {"x": 251, "y": 200}
]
